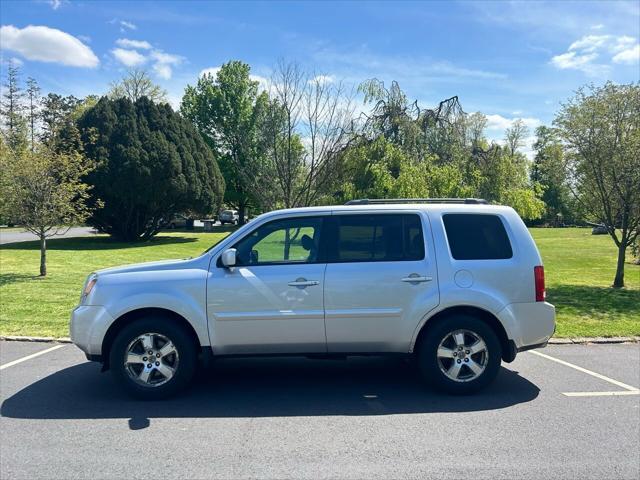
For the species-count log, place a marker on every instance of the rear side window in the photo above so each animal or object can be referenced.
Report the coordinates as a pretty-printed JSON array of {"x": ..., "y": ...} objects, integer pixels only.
[
  {"x": 477, "y": 237},
  {"x": 376, "y": 238}
]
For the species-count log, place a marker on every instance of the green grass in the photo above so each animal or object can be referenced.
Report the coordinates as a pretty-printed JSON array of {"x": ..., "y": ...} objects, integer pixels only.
[{"x": 579, "y": 269}]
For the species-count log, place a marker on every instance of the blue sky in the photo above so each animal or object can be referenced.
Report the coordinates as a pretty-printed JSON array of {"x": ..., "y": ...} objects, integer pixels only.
[{"x": 506, "y": 59}]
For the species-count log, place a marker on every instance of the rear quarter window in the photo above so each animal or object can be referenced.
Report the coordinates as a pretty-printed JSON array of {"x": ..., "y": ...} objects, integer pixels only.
[{"x": 477, "y": 237}]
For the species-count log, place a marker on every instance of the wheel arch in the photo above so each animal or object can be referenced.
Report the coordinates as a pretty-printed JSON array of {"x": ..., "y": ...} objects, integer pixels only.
[
  {"x": 508, "y": 347},
  {"x": 133, "y": 315}
]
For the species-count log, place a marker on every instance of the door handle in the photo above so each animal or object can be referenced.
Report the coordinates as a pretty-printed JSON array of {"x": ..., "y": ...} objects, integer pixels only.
[
  {"x": 303, "y": 282},
  {"x": 415, "y": 278}
]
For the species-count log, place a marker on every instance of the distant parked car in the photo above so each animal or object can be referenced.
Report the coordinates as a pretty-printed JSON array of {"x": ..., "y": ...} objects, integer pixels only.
[
  {"x": 177, "y": 221},
  {"x": 599, "y": 230},
  {"x": 229, "y": 216}
]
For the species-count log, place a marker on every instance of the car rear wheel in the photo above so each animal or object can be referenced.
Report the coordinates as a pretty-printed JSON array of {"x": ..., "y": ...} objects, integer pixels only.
[
  {"x": 153, "y": 358},
  {"x": 460, "y": 355}
]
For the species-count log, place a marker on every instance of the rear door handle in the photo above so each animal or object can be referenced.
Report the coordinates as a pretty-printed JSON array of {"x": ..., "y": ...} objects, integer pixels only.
[
  {"x": 303, "y": 282},
  {"x": 415, "y": 278}
]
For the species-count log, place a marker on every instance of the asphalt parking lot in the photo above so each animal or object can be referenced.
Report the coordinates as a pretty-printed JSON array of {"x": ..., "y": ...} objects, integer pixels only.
[{"x": 299, "y": 418}]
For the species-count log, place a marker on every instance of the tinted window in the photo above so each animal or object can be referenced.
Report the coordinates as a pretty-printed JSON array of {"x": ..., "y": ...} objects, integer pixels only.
[
  {"x": 477, "y": 237},
  {"x": 376, "y": 238},
  {"x": 293, "y": 240}
]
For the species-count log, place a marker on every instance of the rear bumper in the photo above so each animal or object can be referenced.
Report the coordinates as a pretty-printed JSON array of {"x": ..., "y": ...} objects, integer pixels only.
[
  {"x": 529, "y": 325},
  {"x": 88, "y": 326}
]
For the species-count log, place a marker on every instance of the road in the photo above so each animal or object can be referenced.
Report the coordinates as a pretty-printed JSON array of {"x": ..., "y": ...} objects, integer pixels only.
[
  {"x": 299, "y": 418},
  {"x": 22, "y": 236}
]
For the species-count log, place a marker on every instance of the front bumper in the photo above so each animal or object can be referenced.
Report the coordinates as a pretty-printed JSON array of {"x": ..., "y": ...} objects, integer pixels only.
[{"x": 89, "y": 324}]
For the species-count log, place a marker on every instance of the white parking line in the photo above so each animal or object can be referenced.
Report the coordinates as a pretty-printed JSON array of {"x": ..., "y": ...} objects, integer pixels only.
[
  {"x": 29, "y": 357},
  {"x": 629, "y": 389}
]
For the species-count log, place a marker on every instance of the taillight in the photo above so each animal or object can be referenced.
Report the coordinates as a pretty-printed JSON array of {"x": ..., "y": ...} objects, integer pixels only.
[{"x": 538, "y": 275}]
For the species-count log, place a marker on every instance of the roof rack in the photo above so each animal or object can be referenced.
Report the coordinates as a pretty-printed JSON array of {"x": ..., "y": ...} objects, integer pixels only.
[{"x": 384, "y": 201}]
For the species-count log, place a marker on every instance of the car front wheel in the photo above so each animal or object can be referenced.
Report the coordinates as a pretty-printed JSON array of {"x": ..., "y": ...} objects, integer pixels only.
[
  {"x": 153, "y": 358},
  {"x": 460, "y": 355}
]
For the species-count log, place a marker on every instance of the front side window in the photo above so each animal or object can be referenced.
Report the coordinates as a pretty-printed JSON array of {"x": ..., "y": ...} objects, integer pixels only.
[
  {"x": 477, "y": 237},
  {"x": 376, "y": 238},
  {"x": 292, "y": 240}
]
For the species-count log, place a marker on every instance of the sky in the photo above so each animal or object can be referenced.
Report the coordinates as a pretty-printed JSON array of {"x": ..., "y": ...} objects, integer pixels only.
[{"x": 506, "y": 59}]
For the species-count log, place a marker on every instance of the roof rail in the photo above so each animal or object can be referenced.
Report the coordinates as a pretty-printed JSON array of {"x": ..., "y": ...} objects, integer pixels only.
[{"x": 385, "y": 201}]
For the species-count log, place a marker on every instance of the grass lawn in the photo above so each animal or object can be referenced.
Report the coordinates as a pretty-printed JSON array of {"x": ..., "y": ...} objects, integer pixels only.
[{"x": 579, "y": 268}]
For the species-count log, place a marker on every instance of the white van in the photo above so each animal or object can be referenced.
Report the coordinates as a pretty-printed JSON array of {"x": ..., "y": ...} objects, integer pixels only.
[{"x": 458, "y": 284}]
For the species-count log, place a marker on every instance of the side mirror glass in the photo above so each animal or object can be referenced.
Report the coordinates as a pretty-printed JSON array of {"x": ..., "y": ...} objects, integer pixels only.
[{"x": 228, "y": 258}]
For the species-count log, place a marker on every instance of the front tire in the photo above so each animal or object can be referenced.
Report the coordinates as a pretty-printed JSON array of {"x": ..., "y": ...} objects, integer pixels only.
[
  {"x": 153, "y": 358},
  {"x": 460, "y": 355}
]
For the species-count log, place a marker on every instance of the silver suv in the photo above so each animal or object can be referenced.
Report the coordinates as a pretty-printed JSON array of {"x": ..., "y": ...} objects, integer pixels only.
[{"x": 457, "y": 284}]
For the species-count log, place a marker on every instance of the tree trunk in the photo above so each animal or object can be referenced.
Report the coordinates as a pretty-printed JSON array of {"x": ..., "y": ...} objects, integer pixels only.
[
  {"x": 241, "y": 208},
  {"x": 618, "y": 281},
  {"x": 43, "y": 254}
]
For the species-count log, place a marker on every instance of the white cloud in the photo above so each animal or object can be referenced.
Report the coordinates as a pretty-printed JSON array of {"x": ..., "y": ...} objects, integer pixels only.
[
  {"x": 124, "y": 26},
  {"x": 164, "y": 63},
  {"x": 139, "y": 44},
  {"x": 630, "y": 55},
  {"x": 323, "y": 79},
  {"x": 138, "y": 52},
  {"x": 55, "y": 4},
  {"x": 598, "y": 26},
  {"x": 589, "y": 53},
  {"x": 498, "y": 122},
  {"x": 574, "y": 60},
  {"x": 590, "y": 43},
  {"x": 129, "y": 58},
  {"x": 46, "y": 44}
]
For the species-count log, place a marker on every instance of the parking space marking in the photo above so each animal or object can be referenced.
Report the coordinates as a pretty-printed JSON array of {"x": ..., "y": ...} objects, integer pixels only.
[
  {"x": 602, "y": 394},
  {"x": 629, "y": 389},
  {"x": 29, "y": 357}
]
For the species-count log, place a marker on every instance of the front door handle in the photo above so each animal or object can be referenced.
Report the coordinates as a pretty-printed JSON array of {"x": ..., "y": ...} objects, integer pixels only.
[
  {"x": 303, "y": 282},
  {"x": 415, "y": 278}
]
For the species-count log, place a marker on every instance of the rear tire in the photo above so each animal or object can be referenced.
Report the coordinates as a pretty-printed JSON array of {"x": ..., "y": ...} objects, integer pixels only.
[
  {"x": 167, "y": 370},
  {"x": 460, "y": 355}
]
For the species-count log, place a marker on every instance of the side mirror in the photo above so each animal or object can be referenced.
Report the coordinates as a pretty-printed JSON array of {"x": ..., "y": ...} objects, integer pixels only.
[{"x": 228, "y": 258}]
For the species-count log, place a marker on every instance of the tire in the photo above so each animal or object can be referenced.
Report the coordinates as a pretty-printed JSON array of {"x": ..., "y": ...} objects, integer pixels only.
[
  {"x": 170, "y": 373},
  {"x": 455, "y": 371}
]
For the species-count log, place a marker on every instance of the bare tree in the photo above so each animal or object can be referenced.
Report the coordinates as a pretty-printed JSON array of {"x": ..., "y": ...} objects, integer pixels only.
[
  {"x": 137, "y": 84},
  {"x": 515, "y": 135},
  {"x": 306, "y": 127},
  {"x": 476, "y": 124}
]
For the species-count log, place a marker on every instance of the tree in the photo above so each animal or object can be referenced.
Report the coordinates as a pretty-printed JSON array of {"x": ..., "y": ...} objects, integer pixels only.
[
  {"x": 601, "y": 128},
  {"x": 14, "y": 122},
  {"x": 227, "y": 110},
  {"x": 307, "y": 126},
  {"x": 515, "y": 135},
  {"x": 548, "y": 171},
  {"x": 33, "y": 95},
  {"x": 135, "y": 85},
  {"x": 150, "y": 164},
  {"x": 46, "y": 194}
]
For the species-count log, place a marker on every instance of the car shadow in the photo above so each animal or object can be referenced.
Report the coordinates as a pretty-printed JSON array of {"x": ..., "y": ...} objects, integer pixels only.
[{"x": 271, "y": 387}]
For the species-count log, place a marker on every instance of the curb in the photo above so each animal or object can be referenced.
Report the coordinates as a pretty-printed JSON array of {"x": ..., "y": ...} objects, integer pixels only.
[
  {"x": 593, "y": 340},
  {"x": 552, "y": 341},
  {"x": 18, "y": 338}
]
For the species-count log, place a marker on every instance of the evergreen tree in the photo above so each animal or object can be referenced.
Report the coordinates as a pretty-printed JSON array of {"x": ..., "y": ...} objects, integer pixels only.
[{"x": 150, "y": 163}]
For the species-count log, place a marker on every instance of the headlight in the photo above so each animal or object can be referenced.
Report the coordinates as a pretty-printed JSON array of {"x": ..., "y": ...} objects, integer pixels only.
[{"x": 88, "y": 286}]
